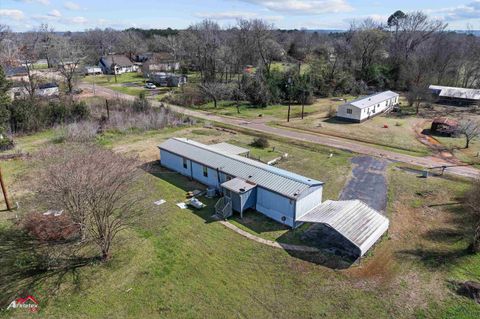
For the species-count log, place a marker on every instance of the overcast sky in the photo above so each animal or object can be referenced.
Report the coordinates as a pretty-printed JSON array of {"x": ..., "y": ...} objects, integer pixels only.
[{"x": 22, "y": 15}]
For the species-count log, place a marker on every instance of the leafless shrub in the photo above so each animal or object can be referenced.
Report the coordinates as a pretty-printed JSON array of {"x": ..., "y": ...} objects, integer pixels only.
[
  {"x": 144, "y": 121},
  {"x": 94, "y": 186},
  {"x": 332, "y": 111},
  {"x": 81, "y": 132},
  {"x": 50, "y": 228}
]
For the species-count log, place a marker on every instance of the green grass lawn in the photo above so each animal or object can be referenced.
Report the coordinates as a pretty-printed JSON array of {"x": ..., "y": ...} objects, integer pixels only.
[
  {"x": 128, "y": 83},
  {"x": 175, "y": 263},
  {"x": 457, "y": 146},
  {"x": 276, "y": 111},
  {"x": 399, "y": 133}
]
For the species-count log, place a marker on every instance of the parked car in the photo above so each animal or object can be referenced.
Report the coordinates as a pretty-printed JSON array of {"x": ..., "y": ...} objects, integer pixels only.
[{"x": 150, "y": 85}]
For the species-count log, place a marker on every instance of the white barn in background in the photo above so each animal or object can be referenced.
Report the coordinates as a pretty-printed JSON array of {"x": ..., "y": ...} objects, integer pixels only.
[{"x": 366, "y": 107}]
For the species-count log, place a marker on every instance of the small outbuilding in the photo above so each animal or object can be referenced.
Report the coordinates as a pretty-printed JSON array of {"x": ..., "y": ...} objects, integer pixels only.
[
  {"x": 444, "y": 126},
  {"x": 362, "y": 109}
]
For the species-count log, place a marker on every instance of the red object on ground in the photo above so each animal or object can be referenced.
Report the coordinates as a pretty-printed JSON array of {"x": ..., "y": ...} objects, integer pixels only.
[{"x": 385, "y": 126}]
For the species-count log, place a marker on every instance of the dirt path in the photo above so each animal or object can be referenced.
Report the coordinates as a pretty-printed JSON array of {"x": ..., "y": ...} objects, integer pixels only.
[
  {"x": 260, "y": 125},
  {"x": 440, "y": 151},
  {"x": 267, "y": 242}
]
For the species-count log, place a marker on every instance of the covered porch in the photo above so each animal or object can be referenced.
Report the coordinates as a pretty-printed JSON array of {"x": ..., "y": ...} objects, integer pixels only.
[{"x": 238, "y": 195}]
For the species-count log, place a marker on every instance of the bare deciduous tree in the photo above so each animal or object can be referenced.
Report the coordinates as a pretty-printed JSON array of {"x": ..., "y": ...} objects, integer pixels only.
[
  {"x": 68, "y": 57},
  {"x": 94, "y": 186},
  {"x": 214, "y": 91},
  {"x": 28, "y": 55},
  {"x": 470, "y": 129}
]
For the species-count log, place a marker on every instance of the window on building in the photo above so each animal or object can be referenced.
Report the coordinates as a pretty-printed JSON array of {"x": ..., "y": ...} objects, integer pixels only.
[
  {"x": 349, "y": 111},
  {"x": 205, "y": 171},
  {"x": 184, "y": 163}
]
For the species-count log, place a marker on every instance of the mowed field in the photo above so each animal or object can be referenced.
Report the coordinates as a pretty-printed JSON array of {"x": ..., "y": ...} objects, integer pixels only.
[
  {"x": 320, "y": 108},
  {"x": 177, "y": 263}
]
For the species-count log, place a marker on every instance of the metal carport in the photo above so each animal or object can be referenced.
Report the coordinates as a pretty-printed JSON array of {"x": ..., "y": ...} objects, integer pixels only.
[{"x": 353, "y": 219}]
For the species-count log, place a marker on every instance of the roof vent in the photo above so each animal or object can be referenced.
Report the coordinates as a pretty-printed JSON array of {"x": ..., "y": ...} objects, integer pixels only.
[{"x": 242, "y": 189}]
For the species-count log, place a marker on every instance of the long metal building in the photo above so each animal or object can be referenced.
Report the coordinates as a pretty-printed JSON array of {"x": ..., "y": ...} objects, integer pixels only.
[
  {"x": 367, "y": 107},
  {"x": 286, "y": 197},
  {"x": 279, "y": 194}
]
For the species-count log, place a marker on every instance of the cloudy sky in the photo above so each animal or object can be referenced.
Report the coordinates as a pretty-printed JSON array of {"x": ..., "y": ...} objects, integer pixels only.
[{"x": 23, "y": 15}]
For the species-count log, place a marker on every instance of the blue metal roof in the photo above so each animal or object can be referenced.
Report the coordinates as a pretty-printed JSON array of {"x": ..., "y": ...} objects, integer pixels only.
[{"x": 278, "y": 180}]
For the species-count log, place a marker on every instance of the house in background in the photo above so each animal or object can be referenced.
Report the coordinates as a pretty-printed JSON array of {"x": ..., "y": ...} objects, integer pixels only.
[
  {"x": 15, "y": 71},
  {"x": 93, "y": 70},
  {"x": 43, "y": 90},
  {"x": 455, "y": 95},
  {"x": 283, "y": 196},
  {"x": 47, "y": 90},
  {"x": 158, "y": 62},
  {"x": 116, "y": 64},
  {"x": 364, "y": 108}
]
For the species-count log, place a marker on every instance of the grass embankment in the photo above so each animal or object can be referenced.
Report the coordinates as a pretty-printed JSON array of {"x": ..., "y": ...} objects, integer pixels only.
[{"x": 177, "y": 263}]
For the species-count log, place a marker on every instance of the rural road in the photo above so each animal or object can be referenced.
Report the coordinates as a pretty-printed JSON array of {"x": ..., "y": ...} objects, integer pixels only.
[{"x": 259, "y": 125}]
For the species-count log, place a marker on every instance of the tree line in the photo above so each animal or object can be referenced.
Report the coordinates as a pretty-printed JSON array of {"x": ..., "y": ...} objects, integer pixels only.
[{"x": 407, "y": 53}]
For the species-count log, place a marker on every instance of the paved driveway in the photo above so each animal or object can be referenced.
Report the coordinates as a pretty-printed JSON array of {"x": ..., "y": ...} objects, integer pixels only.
[{"x": 368, "y": 182}]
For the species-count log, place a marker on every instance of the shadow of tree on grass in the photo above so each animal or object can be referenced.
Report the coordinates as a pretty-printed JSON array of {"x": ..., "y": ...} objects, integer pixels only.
[{"x": 26, "y": 263}]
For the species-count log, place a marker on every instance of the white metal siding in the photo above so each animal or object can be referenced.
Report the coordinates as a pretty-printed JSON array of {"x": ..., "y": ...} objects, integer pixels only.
[
  {"x": 342, "y": 112},
  {"x": 307, "y": 203}
]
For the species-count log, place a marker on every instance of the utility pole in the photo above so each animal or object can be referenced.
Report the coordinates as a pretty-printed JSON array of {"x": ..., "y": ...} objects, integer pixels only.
[
  {"x": 94, "y": 74},
  {"x": 303, "y": 101},
  {"x": 108, "y": 109},
  {"x": 114, "y": 68},
  {"x": 289, "y": 84},
  {"x": 4, "y": 190}
]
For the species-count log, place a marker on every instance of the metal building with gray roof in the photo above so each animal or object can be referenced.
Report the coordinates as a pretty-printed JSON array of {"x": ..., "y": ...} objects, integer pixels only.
[
  {"x": 366, "y": 107},
  {"x": 456, "y": 94},
  {"x": 286, "y": 197}
]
